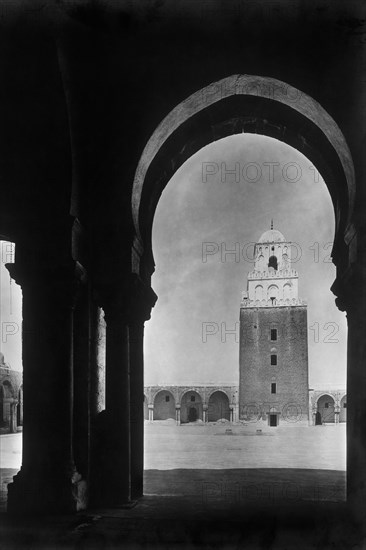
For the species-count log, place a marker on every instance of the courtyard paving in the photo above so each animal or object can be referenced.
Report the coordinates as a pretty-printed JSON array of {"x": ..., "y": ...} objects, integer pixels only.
[
  {"x": 203, "y": 485},
  {"x": 210, "y": 446},
  {"x": 226, "y": 462}
]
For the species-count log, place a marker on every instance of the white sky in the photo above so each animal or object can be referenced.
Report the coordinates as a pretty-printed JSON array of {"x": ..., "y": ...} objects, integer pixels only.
[{"x": 197, "y": 208}]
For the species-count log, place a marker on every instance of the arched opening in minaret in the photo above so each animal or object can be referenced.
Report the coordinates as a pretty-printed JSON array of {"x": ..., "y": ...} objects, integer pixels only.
[
  {"x": 273, "y": 263},
  {"x": 204, "y": 237}
]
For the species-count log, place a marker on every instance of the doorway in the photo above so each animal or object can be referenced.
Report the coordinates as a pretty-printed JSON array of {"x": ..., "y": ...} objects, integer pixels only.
[
  {"x": 192, "y": 414},
  {"x": 273, "y": 420}
]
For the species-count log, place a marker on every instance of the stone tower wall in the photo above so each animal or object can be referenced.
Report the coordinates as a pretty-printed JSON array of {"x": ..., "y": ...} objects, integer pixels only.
[{"x": 291, "y": 372}]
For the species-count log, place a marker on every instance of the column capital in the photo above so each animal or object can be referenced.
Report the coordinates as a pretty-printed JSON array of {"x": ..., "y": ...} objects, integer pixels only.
[
  {"x": 128, "y": 303},
  {"x": 350, "y": 289},
  {"x": 59, "y": 284}
]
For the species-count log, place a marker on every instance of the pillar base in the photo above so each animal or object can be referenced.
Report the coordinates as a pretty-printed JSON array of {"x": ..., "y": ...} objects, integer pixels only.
[{"x": 37, "y": 494}]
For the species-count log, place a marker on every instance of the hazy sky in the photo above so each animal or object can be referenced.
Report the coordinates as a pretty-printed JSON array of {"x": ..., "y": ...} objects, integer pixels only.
[{"x": 204, "y": 204}]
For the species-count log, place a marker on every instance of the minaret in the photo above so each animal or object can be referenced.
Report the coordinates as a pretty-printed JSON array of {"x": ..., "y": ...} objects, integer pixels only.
[
  {"x": 273, "y": 281},
  {"x": 273, "y": 356}
]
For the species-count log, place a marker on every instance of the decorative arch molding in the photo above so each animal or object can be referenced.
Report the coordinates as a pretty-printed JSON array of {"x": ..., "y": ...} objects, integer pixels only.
[
  {"x": 327, "y": 395},
  {"x": 164, "y": 405},
  {"x": 243, "y": 104},
  {"x": 218, "y": 390},
  {"x": 191, "y": 390},
  {"x": 8, "y": 389},
  {"x": 155, "y": 393}
]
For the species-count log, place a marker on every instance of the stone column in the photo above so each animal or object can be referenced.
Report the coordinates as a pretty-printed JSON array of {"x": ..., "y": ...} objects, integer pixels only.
[
  {"x": 81, "y": 352},
  {"x": 314, "y": 417},
  {"x": 352, "y": 299},
  {"x": 97, "y": 336},
  {"x": 46, "y": 481},
  {"x": 136, "y": 334},
  {"x": 177, "y": 415},
  {"x": 336, "y": 414},
  {"x": 151, "y": 413},
  {"x": 356, "y": 407},
  {"x": 205, "y": 413},
  {"x": 13, "y": 416},
  {"x": 116, "y": 491},
  {"x": 141, "y": 299}
]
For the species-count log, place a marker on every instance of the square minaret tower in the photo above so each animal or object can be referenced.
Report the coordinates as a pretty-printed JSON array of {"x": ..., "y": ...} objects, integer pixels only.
[{"x": 273, "y": 354}]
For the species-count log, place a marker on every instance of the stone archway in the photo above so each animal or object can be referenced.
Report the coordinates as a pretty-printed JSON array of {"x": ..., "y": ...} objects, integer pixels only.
[
  {"x": 218, "y": 406},
  {"x": 343, "y": 409},
  {"x": 233, "y": 105},
  {"x": 191, "y": 408},
  {"x": 326, "y": 406},
  {"x": 164, "y": 405},
  {"x": 246, "y": 104}
]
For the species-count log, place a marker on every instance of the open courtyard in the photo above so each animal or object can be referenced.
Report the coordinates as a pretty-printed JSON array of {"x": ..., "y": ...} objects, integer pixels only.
[
  {"x": 221, "y": 462},
  {"x": 225, "y": 445}
]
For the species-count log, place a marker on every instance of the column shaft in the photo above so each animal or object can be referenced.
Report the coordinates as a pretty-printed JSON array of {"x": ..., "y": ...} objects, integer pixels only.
[
  {"x": 356, "y": 411},
  {"x": 118, "y": 442},
  {"x": 136, "y": 335},
  {"x": 45, "y": 482}
]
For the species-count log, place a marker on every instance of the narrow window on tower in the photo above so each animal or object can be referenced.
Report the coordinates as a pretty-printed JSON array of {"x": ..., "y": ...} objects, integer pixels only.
[
  {"x": 167, "y": 398},
  {"x": 273, "y": 387},
  {"x": 273, "y": 334},
  {"x": 273, "y": 359},
  {"x": 193, "y": 398}
]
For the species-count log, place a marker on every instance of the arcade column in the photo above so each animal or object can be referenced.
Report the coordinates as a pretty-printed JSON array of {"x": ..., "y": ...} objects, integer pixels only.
[
  {"x": 117, "y": 448},
  {"x": 177, "y": 415},
  {"x": 142, "y": 299},
  {"x": 352, "y": 299},
  {"x": 13, "y": 416},
  {"x": 205, "y": 413},
  {"x": 356, "y": 406},
  {"x": 125, "y": 310},
  {"x": 47, "y": 481}
]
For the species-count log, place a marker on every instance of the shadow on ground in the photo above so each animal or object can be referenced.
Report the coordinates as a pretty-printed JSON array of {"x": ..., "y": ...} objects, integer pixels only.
[{"x": 254, "y": 509}]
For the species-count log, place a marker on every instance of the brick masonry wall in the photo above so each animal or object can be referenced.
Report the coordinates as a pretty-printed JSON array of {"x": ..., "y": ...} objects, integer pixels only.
[{"x": 291, "y": 372}]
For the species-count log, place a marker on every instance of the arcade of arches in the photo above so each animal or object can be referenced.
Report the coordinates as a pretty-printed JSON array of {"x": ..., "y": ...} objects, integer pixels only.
[
  {"x": 191, "y": 404},
  {"x": 90, "y": 137},
  {"x": 217, "y": 403},
  {"x": 329, "y": 406},
  {"x": 11, "y": 398}
]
